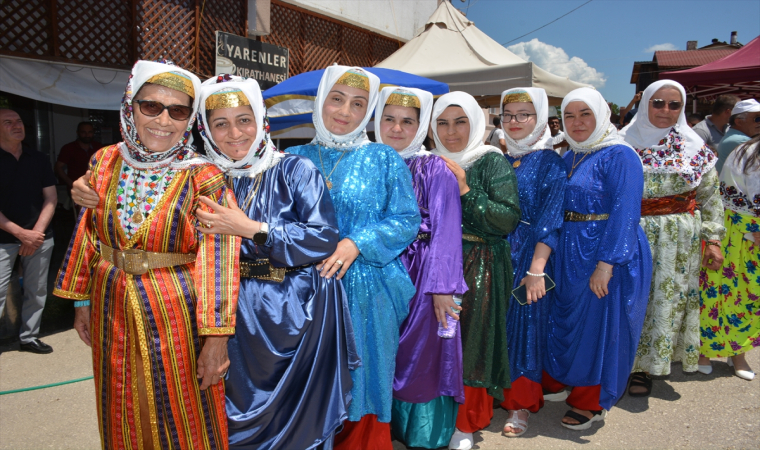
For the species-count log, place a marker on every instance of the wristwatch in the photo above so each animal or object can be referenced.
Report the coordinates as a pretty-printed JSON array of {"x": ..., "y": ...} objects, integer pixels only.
[{"x": 260, "y": 238}]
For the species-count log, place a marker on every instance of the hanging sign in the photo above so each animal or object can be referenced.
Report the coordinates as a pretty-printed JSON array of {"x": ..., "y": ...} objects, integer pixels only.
[{"x": 265, "y": 63}]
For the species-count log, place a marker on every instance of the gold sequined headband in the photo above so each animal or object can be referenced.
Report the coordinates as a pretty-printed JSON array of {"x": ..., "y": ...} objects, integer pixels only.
[
  {"x": 174, "y": 80},
  {"x": 408, "y": 100},
  {"x": 230, "y": 99},
  {"x": 517, "y": 97},
  {"x": 355, "y": 80}
]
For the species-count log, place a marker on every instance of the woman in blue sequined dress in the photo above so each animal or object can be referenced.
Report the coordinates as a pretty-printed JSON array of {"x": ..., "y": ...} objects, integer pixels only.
[
  {"x": 604, "y": 265},
  {"x": 541, "y": 179},
  {"x": 378, "y": 217}
]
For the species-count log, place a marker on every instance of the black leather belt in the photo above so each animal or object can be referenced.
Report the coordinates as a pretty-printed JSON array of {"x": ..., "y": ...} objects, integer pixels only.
[{"x": 262, "y": 269}]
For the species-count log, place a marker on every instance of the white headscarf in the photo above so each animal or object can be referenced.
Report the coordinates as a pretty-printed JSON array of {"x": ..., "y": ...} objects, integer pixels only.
[
  {"x": 475, "y": 148},
  {"x": 605, "y": 134},
  {"x": 741, "y": 191},
  {"x": 677, "y": 149},
  {"x": 359, "y": 135},
  {"x": 541, "y": 137},
  {"x": 133, "y": 151},
  {"x": 262, "y": 154},
  {"x": 426, "y": 103}
]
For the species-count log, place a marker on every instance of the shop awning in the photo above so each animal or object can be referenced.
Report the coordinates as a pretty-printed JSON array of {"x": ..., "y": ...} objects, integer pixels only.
[{"x": 71, "y": 85}]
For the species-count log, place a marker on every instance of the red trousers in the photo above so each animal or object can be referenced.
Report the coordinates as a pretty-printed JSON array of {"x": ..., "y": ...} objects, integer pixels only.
[
  {"x": 524, "y": 394},
  {"x": 476, "y": 412},
  {"x": 366, "y": 434},
  {"x": 585, "y": 398}
]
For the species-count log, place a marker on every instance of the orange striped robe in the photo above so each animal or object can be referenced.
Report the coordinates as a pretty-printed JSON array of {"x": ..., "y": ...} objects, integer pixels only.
[{"x": 163, "y": 314}]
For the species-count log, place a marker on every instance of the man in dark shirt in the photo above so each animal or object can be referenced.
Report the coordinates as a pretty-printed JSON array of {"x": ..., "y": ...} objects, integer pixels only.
[
  {"x": 27, "y": 204},
  {"x": 75, "y": 156}
]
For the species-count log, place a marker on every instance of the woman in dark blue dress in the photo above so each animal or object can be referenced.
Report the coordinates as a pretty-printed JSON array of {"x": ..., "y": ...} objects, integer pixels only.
[{"x": 289, "y": 383}]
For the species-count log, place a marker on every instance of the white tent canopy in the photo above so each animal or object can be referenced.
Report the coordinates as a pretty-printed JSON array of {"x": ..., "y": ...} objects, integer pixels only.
[
  {"x": 453, "y": 50},
  {"x": 71, "y": 85}
]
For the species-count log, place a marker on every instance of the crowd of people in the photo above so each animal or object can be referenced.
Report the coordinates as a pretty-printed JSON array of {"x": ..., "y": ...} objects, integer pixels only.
[{"x": 346, "y": 292}]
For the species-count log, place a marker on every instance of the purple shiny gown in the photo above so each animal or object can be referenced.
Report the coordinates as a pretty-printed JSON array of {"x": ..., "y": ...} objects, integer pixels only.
[{"x": 428, "y": 382}]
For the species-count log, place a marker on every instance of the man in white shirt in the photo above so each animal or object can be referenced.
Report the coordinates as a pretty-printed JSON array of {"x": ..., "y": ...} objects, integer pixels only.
[
  {"x": 496, "y": 138},
  {"x": 558, "y": 136}
]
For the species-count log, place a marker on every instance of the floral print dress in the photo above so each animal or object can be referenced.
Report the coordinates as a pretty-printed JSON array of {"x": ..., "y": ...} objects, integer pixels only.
[
  {"x": 671, "y": 326},
  {"x": 730, "y": 296}
]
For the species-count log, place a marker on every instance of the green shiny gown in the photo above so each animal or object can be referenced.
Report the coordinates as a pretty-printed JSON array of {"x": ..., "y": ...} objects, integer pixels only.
[{"x": 490, "y": 210}]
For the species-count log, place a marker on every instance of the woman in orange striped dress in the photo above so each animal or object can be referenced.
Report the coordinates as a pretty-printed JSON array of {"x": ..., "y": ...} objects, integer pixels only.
[{"x": 155, "y": 299}]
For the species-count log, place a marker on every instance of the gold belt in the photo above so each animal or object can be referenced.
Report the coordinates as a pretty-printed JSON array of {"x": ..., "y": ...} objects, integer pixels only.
[
  {"x": 262, "y": 269},
  {"x": 572, "y": 216},
  {"x": 423, "y": 236},
  {"x": 137, "y": 262},
  {"x": 473, "y": 238}
]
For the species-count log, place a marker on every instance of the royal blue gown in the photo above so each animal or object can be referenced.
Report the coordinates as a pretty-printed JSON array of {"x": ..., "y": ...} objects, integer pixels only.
[
  {"x": 541, "y": 179},
  {"x": 377, "y": 209},
  {"x": 593, "y": 341},
  {"x": 289, "y": 382}
]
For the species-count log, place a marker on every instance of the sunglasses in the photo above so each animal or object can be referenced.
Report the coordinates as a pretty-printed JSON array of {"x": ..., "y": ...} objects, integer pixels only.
[
  {"x": 153, "y": 108},
  {"x": 673, "y": 105}
]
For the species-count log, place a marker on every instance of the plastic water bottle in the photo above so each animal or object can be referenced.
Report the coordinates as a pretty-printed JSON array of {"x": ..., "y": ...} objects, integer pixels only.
[{"x": 451, "y": 331}]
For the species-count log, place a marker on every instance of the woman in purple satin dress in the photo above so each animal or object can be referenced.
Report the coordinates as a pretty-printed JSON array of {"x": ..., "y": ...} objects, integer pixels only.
[{"x": 428, "y": 386}]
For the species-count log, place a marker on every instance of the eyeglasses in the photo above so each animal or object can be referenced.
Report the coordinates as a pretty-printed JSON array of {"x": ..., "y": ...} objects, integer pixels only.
[
  {"x": 673, "y": 105},
  {"x": 519, "y": 117},
  {"x": 153, "y": 108}
]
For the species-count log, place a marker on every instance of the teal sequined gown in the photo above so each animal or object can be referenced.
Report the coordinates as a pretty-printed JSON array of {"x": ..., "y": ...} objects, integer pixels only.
[{"x": 377, "y": 209}]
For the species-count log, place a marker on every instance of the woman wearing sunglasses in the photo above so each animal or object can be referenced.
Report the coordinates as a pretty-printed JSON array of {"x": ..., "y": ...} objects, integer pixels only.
[
  {"x": 155, "y": 299},
  {"x": 681, "y": 207}
]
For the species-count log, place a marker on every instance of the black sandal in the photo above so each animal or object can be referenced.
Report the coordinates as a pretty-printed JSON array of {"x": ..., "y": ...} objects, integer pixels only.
[
  {"x": 583, "y": 421},
  {"x": 640, "y": 379}
]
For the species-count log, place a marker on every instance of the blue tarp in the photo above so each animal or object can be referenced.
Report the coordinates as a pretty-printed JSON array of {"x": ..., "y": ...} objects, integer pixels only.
[{"x": 290, "y": 104}]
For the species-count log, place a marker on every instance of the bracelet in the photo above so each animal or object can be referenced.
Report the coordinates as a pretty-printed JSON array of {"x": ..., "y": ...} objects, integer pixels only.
[
  {"x": 717, "y": 244},
  {"x": 535, "y": 274},
  {"x": 605, "y": 271},
  {"x": 81, "y": 303}
]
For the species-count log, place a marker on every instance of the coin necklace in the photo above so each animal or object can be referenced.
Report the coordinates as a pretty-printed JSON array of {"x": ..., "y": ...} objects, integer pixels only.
[
  {"x": 574, "y": 164},
  {"x": 138, "y": 217},
  {"x": 321, "y": 163},
  {"x": 251, "y": 192}
]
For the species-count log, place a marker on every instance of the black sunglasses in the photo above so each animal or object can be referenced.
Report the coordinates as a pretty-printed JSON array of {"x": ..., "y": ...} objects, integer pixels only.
[
  {"x": 153, "y": 108},
  {"x": 673, "y": 105}
]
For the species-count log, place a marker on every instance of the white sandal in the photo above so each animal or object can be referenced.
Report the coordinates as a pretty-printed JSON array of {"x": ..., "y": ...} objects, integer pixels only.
[{"x": 514, "y": 422}]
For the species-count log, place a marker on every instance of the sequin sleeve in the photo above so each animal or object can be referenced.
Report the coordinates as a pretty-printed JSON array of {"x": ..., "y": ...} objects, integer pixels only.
[
  {"x": 551, "y": 215},
  {"x": 379, "y": 243},
  {"x": 623, "y": 185},
  {"x": 711, "y": 207},
  {"x": 492, "y": 206},
  {"x": 217, "y": 276}
]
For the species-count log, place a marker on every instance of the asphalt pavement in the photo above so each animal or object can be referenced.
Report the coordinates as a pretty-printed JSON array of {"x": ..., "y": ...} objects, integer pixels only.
[{"x": 697, "y": 411}]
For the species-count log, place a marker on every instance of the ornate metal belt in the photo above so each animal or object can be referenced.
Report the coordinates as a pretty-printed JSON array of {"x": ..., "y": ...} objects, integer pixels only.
[
  {"x": 473, "y": 238},
  {"x": 572, "y": 216},
  {"x": 138, "y": 262},
  {"x": 423, "y": 236},
  {"x": 262, "y": 269}
]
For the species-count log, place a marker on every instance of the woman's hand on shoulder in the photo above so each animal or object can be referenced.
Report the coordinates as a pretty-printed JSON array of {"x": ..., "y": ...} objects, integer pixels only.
[
  {"x": 225, "y": 220},
  {"x": 459, "y": 173},
  {"x": 83, "y": 194}
]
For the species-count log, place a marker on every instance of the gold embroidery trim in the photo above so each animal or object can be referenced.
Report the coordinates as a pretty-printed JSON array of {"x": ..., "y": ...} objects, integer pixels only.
[
  {"x": 70, "y": 295},
  {"x": 174, "y": 80},
  {"x": 216, "y": 331},
  {"x": 355, "y": 80},
  {"x": 517, "y": 97},
  {"x": 403, "y": 99},
  {"x": 222, "y": 100}
]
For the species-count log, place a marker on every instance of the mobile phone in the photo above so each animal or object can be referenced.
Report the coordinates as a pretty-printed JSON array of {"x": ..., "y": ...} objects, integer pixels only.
[{"x": 521, "y": 294}]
